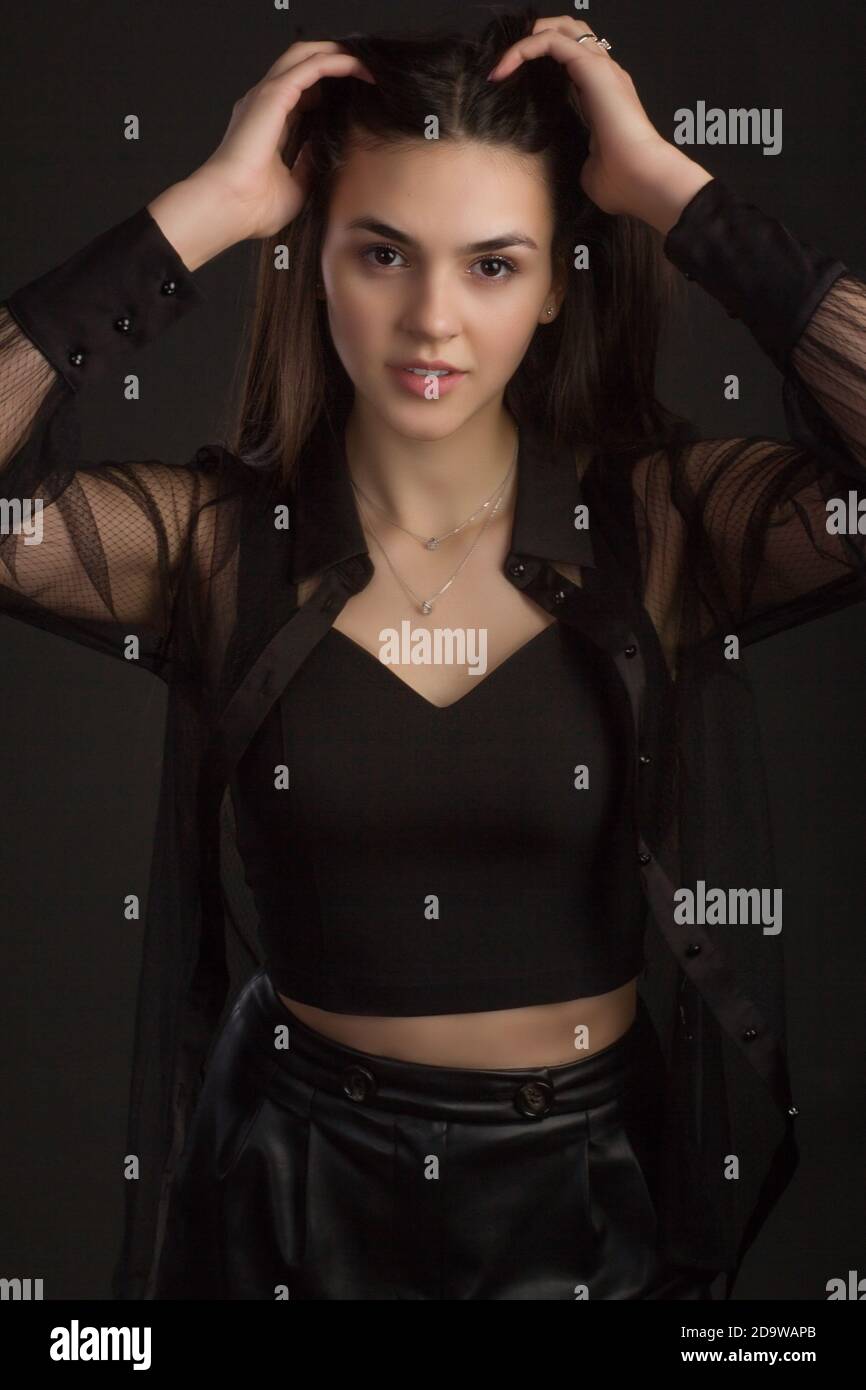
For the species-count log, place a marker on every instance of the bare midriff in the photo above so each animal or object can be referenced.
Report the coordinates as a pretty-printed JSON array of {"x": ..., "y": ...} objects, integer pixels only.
[{"x": 541, "y": 1035}]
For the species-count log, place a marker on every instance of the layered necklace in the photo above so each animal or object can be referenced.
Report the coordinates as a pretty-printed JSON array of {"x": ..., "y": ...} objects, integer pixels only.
[{"x": 425, "y": 605}]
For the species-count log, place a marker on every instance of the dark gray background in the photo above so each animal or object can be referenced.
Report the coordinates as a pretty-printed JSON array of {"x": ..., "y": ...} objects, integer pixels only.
[{"x": 82, "y": 734}]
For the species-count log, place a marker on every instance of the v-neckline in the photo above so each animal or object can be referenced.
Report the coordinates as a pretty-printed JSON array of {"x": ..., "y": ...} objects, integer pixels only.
[{"x": 473, "y": 690}]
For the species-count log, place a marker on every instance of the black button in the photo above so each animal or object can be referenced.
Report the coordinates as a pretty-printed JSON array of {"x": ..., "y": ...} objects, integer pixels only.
[
  {"x": 358, "y": 1083},
  {"x": 693, "y": 948},
  {"x": 631, "y": 651},
  {"x": 750, "y": 1034},
  {"x": 793, "y": 1110},
  {"x": 534, "y": 1098},
  {"x": 123, "y": 324},
  {"x": 643, "y": 857},
  {"x": 688, "y": 275},
  {"x": 76, "y": 359},
  {"x": 560, "y": 596},
  {"x": 168, "y": 287},
  {"x": 644, "y": 759},
  {"x": 517, "y": 569}
]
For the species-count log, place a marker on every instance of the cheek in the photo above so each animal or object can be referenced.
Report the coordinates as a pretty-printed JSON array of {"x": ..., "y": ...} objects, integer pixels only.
[
  {"x": 355, "y": 328},
  {"x": 502, "y": 333}
]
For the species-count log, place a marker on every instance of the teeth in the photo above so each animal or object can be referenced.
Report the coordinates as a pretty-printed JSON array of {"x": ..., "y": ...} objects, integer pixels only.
[{"x": 428, "y": 371}]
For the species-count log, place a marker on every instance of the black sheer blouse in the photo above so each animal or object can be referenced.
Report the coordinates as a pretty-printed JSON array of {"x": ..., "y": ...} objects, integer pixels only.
[{"x": 688, "y": 546}]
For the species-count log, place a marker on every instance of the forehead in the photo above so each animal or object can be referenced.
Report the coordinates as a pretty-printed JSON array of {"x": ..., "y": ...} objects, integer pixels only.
[{"x": 444, "y": 191}]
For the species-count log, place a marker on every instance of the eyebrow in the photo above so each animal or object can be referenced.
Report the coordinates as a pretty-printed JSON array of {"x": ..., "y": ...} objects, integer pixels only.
[{"x": 494, "y": 243}]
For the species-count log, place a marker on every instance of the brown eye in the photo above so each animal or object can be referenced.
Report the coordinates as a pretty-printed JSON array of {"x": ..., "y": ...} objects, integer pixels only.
[
  {"x": 373, "y": 250},
  {"x": 498, "y": 260}
]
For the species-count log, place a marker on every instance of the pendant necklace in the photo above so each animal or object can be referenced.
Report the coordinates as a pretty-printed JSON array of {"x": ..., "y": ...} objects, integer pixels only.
[{"x": 425, "y": 605}]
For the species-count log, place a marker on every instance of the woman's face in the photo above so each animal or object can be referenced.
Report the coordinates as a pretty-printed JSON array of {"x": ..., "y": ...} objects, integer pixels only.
[{"x": 453, "y": 264}]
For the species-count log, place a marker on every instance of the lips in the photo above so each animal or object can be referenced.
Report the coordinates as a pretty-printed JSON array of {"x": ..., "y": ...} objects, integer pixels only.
[
  {"x": 418, "y": 381},
  {"x": 420, "y": 365}
]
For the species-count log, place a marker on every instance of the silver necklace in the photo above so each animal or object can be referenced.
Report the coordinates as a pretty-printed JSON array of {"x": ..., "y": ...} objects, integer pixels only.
[
  {"x": 425, "y": 605},
  {"x": 433, "y": 542}
]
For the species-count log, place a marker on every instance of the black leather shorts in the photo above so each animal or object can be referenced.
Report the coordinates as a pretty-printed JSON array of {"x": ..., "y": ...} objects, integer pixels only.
[{"x": 313, "y": 1170}]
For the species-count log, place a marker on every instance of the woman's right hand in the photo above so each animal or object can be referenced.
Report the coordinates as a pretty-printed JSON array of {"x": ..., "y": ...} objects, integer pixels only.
[{"x": 245, "y": 189}]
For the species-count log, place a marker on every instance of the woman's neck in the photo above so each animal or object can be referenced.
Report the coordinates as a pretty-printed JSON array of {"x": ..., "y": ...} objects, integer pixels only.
[{"x": 425, "y": 485}]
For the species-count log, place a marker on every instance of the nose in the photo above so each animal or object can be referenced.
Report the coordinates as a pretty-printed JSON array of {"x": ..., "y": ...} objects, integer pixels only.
[{"x": 430, "y": 313}]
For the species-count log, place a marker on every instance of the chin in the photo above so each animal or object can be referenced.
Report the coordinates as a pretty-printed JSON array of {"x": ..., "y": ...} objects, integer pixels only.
[
  {"x": 424, "y": 420},
  {"x": 429, "y": 433}
]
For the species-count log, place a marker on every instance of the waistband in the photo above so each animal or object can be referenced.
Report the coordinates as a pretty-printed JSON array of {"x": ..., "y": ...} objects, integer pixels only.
[{"x": 392, "y": 1084}]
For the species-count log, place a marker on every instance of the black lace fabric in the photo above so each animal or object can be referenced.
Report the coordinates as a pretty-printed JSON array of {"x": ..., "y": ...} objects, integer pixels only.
[
  {"x": 733, "y": 539},
  {"x": 734, "y": 532},
  {"x": 125, "y": 544}
]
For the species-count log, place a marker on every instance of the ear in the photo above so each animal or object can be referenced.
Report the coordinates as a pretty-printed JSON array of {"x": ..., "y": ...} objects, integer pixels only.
[{"x": 556, "y": 293}]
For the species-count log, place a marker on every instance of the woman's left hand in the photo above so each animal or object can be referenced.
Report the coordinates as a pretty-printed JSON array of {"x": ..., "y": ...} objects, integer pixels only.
[{"x": 631, "y": 168}]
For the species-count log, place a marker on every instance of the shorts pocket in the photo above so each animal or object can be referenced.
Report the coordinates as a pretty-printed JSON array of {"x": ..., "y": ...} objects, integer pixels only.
[
  {"x": 231, "y": 1153},
  {"x": 622, "y": 1211},
  {"x": 263, "y": 1202}
]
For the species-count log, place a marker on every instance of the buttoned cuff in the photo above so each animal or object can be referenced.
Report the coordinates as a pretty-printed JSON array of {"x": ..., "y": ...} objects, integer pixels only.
[
  {"x": 757, "y": 270},
  {"x": 125, "y": 287}
]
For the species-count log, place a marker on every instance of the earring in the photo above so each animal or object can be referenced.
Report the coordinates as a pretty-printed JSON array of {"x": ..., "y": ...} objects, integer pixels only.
[{"x": 549, "y": 312}]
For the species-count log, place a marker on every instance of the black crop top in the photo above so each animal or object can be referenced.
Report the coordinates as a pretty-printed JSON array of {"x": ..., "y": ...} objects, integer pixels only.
[{"x": 428, "y": 860}]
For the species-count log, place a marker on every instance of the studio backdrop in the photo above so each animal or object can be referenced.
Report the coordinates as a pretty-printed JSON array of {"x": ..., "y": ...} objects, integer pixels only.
[{"x": 82, "y": 736}]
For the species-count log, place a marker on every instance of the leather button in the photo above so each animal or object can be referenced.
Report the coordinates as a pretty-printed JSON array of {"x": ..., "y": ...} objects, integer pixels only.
[
  {"x": 168, "y": 287},
  {"x": 517, "y": 569},
  {"x": 560, "y": 596},
  {"x": 644, "y": 759},
  {"x": 534, "y": 1098},
  {"x": 644, "y": 857},
  {"x": 793, "y": 1110},
  {"x": 750, "y": 1034},
  {"x": 358, "y": 1082},
  {"x": 76, "y": 359},
  {"x": 124, "y": 324},
  {"x": 631, "y": 650},
  {"x": 693, "y": 948}
]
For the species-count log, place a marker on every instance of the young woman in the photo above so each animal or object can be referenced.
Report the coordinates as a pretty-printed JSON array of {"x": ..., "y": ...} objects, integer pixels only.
[{"x": 455, "y": 618}]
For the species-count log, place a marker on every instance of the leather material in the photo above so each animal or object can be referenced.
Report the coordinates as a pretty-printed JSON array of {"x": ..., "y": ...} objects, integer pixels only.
[{"x": 313, "y": 1170}]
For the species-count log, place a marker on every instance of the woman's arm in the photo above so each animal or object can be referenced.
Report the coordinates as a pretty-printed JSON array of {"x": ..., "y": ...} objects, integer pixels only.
[
  {"x": 746, "y": 520},
  {"x": 735, "y": 534},
  {"x": 90, "y": 550}
]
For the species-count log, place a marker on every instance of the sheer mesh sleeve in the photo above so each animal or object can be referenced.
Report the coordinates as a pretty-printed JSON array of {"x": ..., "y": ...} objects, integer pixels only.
[
  {"x": 96, "y": 551},
  {"x": 735, "y": 534}
]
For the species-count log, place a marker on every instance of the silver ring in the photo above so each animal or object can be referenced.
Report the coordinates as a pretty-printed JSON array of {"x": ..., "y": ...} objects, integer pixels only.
[{"x": 602, "y": 43}]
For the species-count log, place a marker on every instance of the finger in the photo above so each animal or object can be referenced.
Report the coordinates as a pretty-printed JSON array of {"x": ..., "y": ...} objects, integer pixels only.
[
  {"x": 276, "y": 100},
  {"x": 301, "y": 77},
  {"x": 301, "y": 52},
  {"x": 296, "y": 53},
  {"x": 566, "y": 24},
  {"x": 552, "y": 42}
]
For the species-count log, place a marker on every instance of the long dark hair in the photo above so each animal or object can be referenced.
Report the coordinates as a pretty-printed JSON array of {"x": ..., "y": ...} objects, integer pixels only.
[{"x": 588, "y": 378}]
